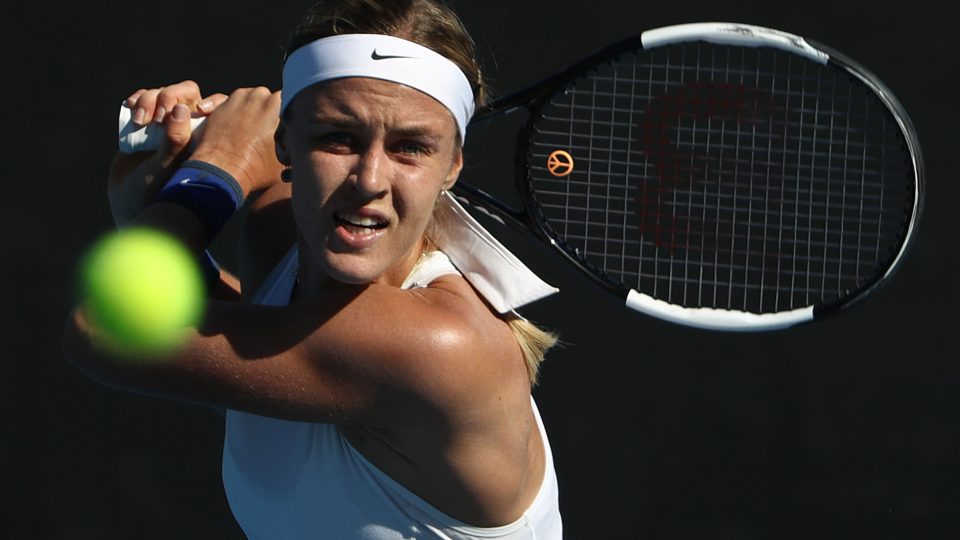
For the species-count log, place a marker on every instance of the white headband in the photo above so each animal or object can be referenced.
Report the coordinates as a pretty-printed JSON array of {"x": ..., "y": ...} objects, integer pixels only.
[{"x": 380, "y": 57}]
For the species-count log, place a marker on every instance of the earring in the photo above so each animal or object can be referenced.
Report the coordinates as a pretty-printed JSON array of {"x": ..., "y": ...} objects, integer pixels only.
[{"x": 287, "y": 175}]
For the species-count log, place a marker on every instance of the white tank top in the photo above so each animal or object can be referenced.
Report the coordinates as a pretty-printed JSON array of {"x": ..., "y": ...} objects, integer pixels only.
[{"x": 299, "y": 480}]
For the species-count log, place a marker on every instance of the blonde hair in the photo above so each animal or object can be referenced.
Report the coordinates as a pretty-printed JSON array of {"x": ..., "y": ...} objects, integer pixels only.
[{"x": 534, "y": 342}]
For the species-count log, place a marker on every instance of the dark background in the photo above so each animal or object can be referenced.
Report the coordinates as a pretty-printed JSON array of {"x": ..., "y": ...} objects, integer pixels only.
[{"x": 841, "y": 429}]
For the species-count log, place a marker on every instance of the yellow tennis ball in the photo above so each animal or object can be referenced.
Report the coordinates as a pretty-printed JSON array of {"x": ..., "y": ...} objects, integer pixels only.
[{"x": 141, "y": 289}]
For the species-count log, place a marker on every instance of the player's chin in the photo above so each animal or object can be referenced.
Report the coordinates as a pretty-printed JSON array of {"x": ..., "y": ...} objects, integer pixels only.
[{"x": 352, "y": 268}]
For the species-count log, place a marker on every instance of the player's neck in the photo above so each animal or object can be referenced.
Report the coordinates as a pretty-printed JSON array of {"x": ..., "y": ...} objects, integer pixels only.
[{"x": 313, "y": 282}]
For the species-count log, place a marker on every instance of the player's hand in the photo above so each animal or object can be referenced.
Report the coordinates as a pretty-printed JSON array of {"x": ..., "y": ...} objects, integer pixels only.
[
  {"x": 238, "y": 137},
  {"x": 135, "y": 179},
  {"x": 153, "y": 105}
]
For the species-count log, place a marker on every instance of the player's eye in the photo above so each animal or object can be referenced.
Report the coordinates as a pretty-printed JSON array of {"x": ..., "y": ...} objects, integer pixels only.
[
  {"x": 335, "y": 141},
  {"x": 411, "y": 148},
  {"x": 337, "y": 138}
]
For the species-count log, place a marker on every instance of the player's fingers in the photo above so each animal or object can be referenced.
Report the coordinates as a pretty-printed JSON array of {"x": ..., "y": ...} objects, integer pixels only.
[
  {"x": 177, "y": 134},
  {"x": 185, "y": 92},
  {"x": 146, "y": 106},
  {"x": 132, "y": 99},
  {"x": 210, "y": 103}
]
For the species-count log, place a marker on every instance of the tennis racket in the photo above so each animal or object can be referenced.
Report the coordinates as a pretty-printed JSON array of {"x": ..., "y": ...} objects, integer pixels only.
[{"x": 718, "y": 175}]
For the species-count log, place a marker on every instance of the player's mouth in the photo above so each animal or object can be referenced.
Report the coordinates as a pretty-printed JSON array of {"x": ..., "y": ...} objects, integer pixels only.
[
  {"x": 359, "y": 224},
  {"x": 359, "y": 229}
]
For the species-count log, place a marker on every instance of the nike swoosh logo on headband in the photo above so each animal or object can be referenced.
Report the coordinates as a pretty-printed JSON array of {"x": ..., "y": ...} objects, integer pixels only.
[{"x": 376, "y": 56}]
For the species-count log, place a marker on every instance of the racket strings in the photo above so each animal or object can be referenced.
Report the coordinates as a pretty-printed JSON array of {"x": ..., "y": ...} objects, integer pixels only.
[{"x": 723, "y": 177}]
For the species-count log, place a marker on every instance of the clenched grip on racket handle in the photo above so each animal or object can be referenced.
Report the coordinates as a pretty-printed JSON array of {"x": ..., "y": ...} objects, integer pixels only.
[{"x": 134, "y": 138}]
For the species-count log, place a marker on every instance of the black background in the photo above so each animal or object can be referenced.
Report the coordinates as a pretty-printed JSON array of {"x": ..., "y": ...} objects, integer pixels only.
[{"x": 842, "y": 429}]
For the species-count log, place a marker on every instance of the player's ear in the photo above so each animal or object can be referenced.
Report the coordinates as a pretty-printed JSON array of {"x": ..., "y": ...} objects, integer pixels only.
[
  {"x": 455, "y": 169},
  {"x": 280, "y": 146}
]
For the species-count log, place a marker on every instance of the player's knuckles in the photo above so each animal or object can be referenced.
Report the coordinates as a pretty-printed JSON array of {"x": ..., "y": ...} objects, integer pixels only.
[
  {"x": 151, "y": 94},
  {"x": 267, "y": 100},
  {"x": 185, "y": 92},
  {"x": 254, "y": 100},
  {"x": 168, "y": 98},
  {"x": 253, "y": 94},
  {"x": 188, "y": 87},
  {"x": 147, "y": 105},
  {"x": 239, "y": 94},
  {"x": 134, "y": 97},
  {"x": 274, "y": 100},
  {"x": 256, "y": 90}
]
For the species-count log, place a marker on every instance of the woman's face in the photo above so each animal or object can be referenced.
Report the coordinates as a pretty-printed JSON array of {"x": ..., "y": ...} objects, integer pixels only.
[{"x": 369, "y": 159}]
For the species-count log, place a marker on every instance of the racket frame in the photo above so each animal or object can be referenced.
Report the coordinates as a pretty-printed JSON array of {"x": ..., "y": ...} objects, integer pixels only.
[{"x": 533, "y": 98}]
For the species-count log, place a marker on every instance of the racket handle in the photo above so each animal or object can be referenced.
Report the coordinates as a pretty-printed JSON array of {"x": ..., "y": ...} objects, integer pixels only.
[{"x": 134, "y": 138}]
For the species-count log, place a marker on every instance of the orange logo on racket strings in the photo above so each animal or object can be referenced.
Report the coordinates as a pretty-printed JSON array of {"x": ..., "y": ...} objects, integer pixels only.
[{"x": 560, "y": 163}]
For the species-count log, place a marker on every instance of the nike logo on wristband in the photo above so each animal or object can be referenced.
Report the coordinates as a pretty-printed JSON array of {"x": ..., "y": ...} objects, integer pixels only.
[
  {"x": 188, "y": 182},
  {"x": 377, "y": 56}
]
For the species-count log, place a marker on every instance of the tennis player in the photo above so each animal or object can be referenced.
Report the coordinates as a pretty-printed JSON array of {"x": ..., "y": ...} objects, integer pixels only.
[{"x": 374, "y": 375}]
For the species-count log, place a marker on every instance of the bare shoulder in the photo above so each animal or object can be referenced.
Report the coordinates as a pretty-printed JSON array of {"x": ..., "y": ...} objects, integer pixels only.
[
  {"x": 473, "y": 448},
  {"x": 475, "y": 356}
]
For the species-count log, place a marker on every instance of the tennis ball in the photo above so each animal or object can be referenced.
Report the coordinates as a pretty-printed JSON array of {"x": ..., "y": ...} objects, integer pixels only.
[{"x": 140, "y": 289}]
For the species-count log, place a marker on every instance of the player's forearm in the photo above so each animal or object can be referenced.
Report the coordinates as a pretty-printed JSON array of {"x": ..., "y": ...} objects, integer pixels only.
[
  {"x": 185, "y": 226},
  {"x": 177, "y": 221},
  {"x": 152, "y": 374},
  {"x": 86, "y": 351},
  {"x": 233, "y": 359}
]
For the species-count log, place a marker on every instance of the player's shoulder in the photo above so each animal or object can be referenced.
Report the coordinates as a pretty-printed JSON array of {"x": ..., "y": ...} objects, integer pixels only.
[
  {"x": 440, "y": 285},
  {"x": 476, "y": 340}
]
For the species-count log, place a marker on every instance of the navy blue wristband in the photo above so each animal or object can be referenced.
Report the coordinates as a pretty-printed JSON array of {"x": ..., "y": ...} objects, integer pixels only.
[{"x": 208, "y": 191}]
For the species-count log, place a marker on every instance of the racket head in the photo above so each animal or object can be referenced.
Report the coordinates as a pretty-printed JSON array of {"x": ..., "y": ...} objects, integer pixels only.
[{"x": 724, "y": 176}]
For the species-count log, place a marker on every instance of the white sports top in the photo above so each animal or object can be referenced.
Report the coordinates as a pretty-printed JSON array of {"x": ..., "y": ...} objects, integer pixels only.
[{"x": 298, "y": 480}]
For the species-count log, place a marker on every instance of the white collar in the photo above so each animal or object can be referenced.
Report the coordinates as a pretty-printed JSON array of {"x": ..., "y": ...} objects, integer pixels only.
[{"x": 496, "y": 273}]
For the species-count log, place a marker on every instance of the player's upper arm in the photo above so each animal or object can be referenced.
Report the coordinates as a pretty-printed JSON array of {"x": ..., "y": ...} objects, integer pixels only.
[{"x": 373, "y": 355}]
